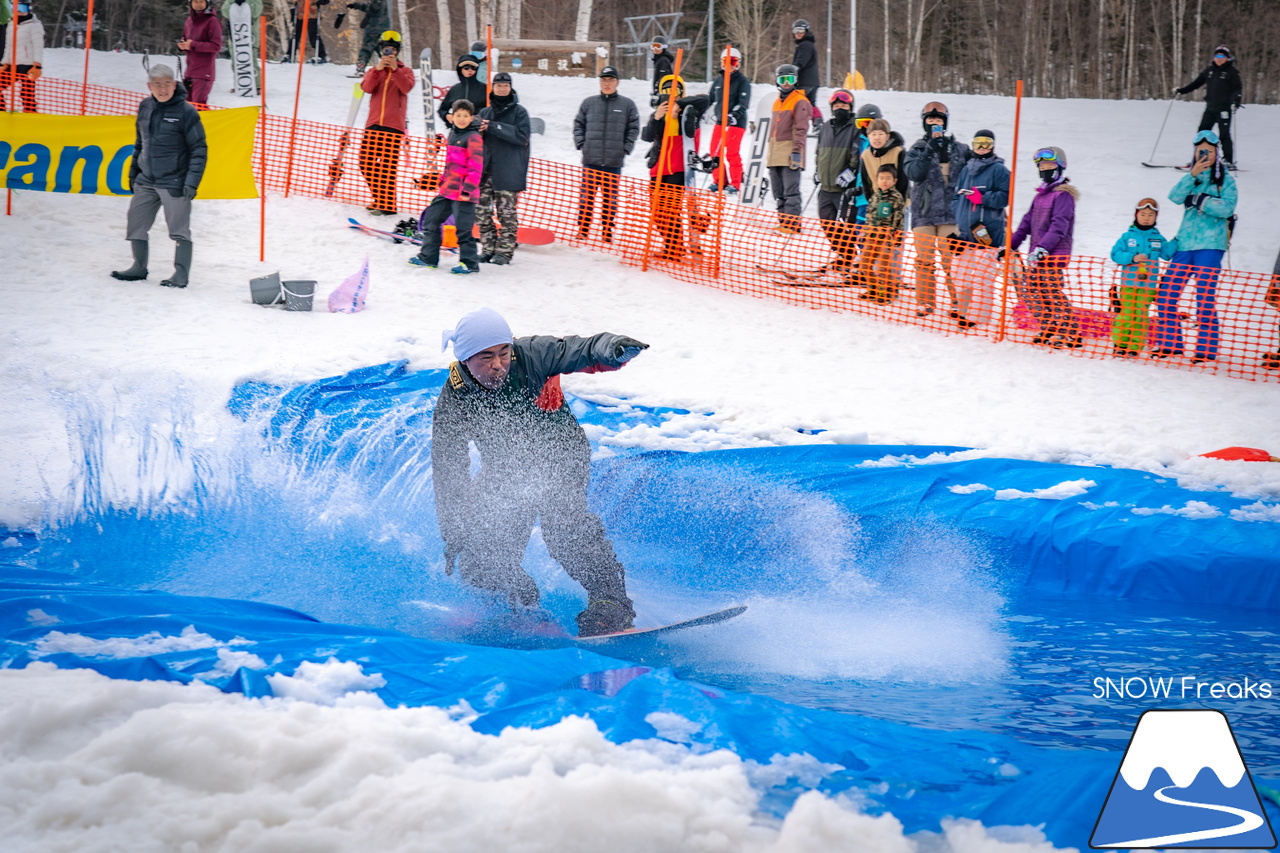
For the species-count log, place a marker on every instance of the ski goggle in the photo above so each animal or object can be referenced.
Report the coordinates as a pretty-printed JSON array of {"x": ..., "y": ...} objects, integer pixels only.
[
  {"x": 1147, "y": 204},
  {"x": 862, "y": 122},
  {"x": 1216, "y": 55},
  {"x": 1046, "y": 155},
  {"x": 1206, "y": 136},
  {"x": 799, "y": 31},
  {"x": 656, "y": 46},
  {"x": 842, "y": 98},
  {"x": 983, "y": 142},
  {"x": 391, "y": 35},
  {"x": 787, "y": 80},
  {"x": 24, "y": 9}
]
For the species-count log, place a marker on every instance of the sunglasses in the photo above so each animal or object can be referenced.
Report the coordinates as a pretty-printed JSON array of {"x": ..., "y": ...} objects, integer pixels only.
[
  {"x": 469, "y": 67},
  {"x": 983, "y": 142},
  {"x": 1148, "y": 205},
  {"x": 842, "y": 98},
  {"x": 787, "y": 80},
  {"x": 1046, "y": 155}
]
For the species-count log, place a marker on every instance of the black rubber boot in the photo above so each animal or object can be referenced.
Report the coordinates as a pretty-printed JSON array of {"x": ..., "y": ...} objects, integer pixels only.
[
  {"x": 138, "y": 271},
  {"x": 181, "y": 264}
]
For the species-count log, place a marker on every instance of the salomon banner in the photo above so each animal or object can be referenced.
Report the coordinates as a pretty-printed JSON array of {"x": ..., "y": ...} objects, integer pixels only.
[{"x": 91, "y": 154}]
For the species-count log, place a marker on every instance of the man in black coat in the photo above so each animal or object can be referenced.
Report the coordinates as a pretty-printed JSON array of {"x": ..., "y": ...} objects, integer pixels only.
[
  {"x": 169, "y": 156},
  {"x": 468, "y": 88},
  {"x": 605, "y": 131},
  {"x": 805, "y": 58},
  {"x": 503, "y": 395},
  {"x": 1222, "y": 92},
  {"x": 505, "y": 125}
]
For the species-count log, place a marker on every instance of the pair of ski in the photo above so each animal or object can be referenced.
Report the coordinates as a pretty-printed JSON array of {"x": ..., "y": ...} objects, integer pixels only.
[
  {"x": 1182, "y": 168},
  {"x": 820, "y": 277}
]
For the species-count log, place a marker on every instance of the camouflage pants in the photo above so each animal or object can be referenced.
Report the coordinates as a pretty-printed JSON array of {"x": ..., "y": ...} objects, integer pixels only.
[{"x": 497, "y": 238}]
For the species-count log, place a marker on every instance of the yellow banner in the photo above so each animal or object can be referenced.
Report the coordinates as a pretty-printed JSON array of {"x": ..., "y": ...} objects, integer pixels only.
[{"x": 91, "y": 154}]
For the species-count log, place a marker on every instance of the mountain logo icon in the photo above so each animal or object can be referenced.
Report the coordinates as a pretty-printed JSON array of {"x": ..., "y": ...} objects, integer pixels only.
[{"x": 1183, "y": 783}]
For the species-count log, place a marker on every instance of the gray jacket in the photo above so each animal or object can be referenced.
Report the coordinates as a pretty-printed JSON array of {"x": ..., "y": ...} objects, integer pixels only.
[
  {"x": 517, "y": 441},
  {"x": 605, "y": 130},
  {"x": 169, "y": 148},
  {"x": 931, "y": 195}
]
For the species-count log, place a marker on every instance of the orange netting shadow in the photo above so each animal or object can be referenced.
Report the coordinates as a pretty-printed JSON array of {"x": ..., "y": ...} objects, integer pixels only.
[{"x": 1203, "y": 320}]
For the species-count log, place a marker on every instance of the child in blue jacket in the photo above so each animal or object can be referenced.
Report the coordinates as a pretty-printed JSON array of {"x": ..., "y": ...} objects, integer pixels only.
[{"x": 1139, "y": 252}]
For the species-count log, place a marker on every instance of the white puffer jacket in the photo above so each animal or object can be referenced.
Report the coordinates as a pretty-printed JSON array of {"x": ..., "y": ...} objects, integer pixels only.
[{"x": 30, "y": 42}]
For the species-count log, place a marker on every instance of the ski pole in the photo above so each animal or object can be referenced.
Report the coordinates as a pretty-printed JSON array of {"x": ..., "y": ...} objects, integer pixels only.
[{"x": 1152, "y": 158}]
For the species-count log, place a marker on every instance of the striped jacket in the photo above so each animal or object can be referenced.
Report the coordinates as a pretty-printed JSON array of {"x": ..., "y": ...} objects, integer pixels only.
[{"x": 463, "y": 162}]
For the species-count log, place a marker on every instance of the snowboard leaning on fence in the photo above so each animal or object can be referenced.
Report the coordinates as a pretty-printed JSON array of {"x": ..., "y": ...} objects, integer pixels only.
[
  {"x": 428, "y": 92},
  {"x": 240, "y": 20},
  {"x": 755, "y": 180}
]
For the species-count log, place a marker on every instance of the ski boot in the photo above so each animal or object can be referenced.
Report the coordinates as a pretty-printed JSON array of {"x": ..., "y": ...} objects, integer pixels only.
[{"x": 605, "y": 616}]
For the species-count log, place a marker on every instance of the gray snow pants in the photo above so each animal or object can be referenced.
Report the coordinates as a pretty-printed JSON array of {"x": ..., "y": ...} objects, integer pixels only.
[{"x": 146, "y": 203}]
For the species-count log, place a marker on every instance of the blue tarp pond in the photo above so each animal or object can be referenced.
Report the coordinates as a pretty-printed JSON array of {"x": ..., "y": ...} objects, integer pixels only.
[{"x": 927, "y": 622}]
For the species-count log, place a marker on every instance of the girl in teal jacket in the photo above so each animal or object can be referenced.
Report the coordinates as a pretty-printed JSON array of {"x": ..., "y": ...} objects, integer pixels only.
[{"x": 1139, "y": 252}]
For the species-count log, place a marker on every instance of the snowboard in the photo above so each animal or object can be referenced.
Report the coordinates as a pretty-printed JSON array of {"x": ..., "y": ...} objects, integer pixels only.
[
  {"x": 697, "y": 621},
  {"x": 428, "y": 92},
  {"x": 337, "y": 166},
  {"x": 525, "y": 236},
  {"x": 240, "y": 19},
  {"x": 755, "y": 181}
]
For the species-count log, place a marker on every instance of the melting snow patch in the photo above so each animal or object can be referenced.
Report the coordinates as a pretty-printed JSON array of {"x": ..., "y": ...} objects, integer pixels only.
[
  {"x": 969, "y": 489},
  {"x": 1257, "y": 512},
  {"x": 328, "y": 683},
  {"x": 37, "y": 616},
  {"x": 117, "y": 648},
  {"x": 1193, "y": 509},
  {"x": 1067, "y": 489},
  {"x": 673, "y": 727}
]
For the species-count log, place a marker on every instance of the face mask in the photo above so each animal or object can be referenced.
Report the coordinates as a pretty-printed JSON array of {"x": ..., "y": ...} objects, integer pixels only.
[{"x": 1049, "y": 176}]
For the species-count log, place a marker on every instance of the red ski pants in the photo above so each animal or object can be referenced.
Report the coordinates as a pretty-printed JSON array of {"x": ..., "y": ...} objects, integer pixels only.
[{"x": 732, "y": 155}]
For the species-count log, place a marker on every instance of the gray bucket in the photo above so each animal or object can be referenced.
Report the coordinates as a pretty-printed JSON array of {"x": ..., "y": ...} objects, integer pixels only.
[
  {"x": 265, "y": 290},
  {"x": 298, "y": 295}
]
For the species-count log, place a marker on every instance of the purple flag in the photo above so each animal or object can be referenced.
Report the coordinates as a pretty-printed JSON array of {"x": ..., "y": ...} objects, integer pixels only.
[{"x": 348, "y": 297}]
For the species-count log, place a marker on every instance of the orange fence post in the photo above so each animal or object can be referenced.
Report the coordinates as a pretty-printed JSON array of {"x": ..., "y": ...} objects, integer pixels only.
[
  {"x": 297, "y": 91},
  {"x": 655, "y": 198},
  {"x": 1008, "y": 225},
  {"x": 488, "y": 60},
  {"x": 88, "y": 44},
  {"x": 261, "y": 142}
]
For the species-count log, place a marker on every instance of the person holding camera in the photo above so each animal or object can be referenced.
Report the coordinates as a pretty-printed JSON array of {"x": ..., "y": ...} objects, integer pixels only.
[
  {"x": 1222, "y": 92},
  {"x": 388, "y": 85},
  {"x": 202, "y": 42},
  {"x": 933, "y": 165},
  {"x": 1208, "y": 192}
]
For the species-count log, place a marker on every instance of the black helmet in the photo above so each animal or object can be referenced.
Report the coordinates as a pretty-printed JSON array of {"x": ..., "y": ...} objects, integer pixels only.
[
  {"x": 662, "y": 40},
  {"x": 390, "y": 38},
  {"x": 933, "y": 109},
  {"x": 787, "y": 70},
  {"x": 869, "y": 112},
  {"x": 800, "y": 24}
]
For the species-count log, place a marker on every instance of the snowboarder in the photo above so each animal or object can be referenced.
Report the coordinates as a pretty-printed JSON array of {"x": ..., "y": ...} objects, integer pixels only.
[
  {"x": 169, "y": 156},
  {"x": 785, "y": 158},
  {"x": 202, "y": 42},
  {"x": 505, "y": 125},
  {"x": 314, "y": 42},
  {"x": 739, "y": 99},
  {"x": 1222, "y": 94},
  {"x": 388, "y": 84},
  {"x": 377, "y": 20},
  {"x": 664, "y": 65},
  {"x": 29, "y": 58},
  {"x": 503, "y": 394},
  {"x": 1208, "y": 192}
]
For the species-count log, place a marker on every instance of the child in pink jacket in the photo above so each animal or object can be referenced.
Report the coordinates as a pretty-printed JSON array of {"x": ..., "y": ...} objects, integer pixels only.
[{"x": 459, "y": 190}]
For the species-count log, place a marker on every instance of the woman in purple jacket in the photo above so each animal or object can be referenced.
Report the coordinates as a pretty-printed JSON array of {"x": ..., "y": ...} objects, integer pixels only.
[
  {"x": 1049, "y": 223},
  {"x": 202, "y": 42}
]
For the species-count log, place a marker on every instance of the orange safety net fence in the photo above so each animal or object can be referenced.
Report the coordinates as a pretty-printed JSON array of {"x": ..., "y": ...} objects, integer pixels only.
[{"x": 1225, "y": 322}]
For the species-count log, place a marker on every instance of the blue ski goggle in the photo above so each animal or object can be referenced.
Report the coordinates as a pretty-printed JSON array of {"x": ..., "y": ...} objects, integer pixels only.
[
  {"x": 1046, "y": 155},
  {"x": 24, "y": 8}
]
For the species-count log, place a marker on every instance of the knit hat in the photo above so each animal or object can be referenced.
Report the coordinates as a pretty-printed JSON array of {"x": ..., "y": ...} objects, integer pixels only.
[
  {"x": 990, "y": 134},
  {"x": 479, "y": 330}
]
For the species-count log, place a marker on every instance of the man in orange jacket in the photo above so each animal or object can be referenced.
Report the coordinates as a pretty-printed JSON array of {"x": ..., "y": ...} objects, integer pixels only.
[{"x": 388, "y": 83}]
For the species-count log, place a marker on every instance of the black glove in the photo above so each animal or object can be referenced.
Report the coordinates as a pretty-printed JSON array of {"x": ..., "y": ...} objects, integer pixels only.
[
  {"x": 628, "y": 348},
  {"x": 189, "y": 193},
  {"x": 1000, "y": 254},
  {"x": 1180, "y": 91},
  {"x": 337, "y": 22}
]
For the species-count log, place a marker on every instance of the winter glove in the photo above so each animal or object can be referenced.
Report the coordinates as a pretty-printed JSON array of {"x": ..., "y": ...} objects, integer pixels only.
[
  {"x": 337, "y": 22},
  {"x": 189, "y": 193},
  {"x": 1195, "y": 200},
  {"x": 1000, "y": 254},
  {"x": 794, "y": 165},
  {"x": 1038, "y": 255},
  {"x": 817, "y": 179},
  {"x": 35, "y": 72},
  {"x": 845, "y": 178},
  {"x": 1180, "y": 91},
  {"x": 628, "y": 348},
  {"x": 941, "y": 145},
  {"x": 974, "y": 196}
]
